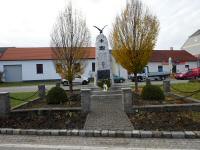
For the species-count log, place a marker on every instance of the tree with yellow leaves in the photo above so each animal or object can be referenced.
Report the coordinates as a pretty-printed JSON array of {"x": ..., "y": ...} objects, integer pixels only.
[{"x": 133, "y": 37}]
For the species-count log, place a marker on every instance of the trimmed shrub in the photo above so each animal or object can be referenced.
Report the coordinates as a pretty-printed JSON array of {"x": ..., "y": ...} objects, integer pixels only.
[
  {"x": 152, "y": 92},
  {"x": 56, "y": 95},
  {"x": 101, "y": 82}
]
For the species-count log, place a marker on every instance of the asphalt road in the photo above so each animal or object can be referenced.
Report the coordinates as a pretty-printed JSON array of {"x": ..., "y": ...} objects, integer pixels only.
[
  {"x": 16, "y": 142},
  {"x": 34, "y": 88}
]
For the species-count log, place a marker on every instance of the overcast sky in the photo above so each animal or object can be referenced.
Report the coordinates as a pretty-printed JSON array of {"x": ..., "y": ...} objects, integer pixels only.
[{"x": 28, "y": 23}]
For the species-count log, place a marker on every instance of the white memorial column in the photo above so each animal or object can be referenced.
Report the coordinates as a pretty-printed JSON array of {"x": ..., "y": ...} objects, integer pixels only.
[{"x": 103, "y": 59}]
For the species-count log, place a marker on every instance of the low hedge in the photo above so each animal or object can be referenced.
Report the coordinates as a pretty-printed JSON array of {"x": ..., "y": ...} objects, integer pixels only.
[
  {"x": 56, "y": 95},
  {"x": 152, "y": 92}
]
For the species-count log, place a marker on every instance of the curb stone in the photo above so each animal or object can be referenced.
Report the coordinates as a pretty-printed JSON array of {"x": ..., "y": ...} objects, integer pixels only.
[
  {"x": 156, "y": 134},
  {"x": 16, "y": 131},
  {"x": 62, "y": 132},
  {"x": 82, "y": 132},
  {"x": 89, "y": 133},
  {"x": 104, "y": 133},
  {"x": 190, "y": 134},
  {"x": 97, "y": 133},
  {"x": 146, "y": 134},
  {"x": 197, "y": 134},
  {"x": 75, "y": 132},
  {"x": 111, "y": 133},
  {"x": 136, "y": 133},
  {"x": 167, "y": 134},
  {"x": 178, "y": 135}
]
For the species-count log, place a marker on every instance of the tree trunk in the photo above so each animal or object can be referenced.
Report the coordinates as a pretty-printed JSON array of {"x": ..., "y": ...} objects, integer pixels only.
[
  {"x": 136, "y": 82},
  {"x": 70, "y": 87}
]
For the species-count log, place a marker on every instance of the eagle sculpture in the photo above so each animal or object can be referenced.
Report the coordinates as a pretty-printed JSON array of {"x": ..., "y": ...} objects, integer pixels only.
[{"x": 100, "y": 30}]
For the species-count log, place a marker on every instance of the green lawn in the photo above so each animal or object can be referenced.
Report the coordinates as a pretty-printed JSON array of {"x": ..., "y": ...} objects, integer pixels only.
[
  {"x": 187, "y": 87},
  {"x": 26, "y": 83},
  {"x": 21, "y": 95}
]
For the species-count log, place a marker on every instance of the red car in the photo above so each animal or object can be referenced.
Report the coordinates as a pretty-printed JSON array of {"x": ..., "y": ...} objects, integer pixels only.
[{"x": 191, "y": 74}]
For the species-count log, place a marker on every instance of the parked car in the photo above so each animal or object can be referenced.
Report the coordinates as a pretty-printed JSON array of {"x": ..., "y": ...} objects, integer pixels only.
[
  {"x": 77, "y": 80},
  {"x": 118, "y": 79},
  {"x": 140, "y": 77},
  {"x": 191, "y": 74}
]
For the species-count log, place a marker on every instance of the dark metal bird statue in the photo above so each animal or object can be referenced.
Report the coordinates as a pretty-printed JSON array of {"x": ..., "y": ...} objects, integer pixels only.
[{"x": 100, "y": 30}]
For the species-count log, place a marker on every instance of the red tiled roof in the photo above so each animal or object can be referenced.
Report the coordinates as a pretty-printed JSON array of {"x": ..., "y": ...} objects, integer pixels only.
[
  {"x": 44, "y": 53},
  {"x": 176, "y": 55}
]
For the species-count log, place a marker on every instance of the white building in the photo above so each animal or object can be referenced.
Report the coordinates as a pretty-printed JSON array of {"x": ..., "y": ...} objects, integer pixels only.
[
  {"x": 28, "y": 64},
  {"x": 181, "y": 62},
  {"x": 192, "y": 45}
]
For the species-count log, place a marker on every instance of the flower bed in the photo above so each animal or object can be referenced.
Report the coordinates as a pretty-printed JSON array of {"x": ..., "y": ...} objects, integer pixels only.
[
  {"x": 47, "y": 120},
  {"x": 169, "y": 121}
]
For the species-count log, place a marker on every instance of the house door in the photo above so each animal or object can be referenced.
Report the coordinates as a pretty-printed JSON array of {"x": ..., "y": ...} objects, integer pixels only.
[
  {"x": 174, "y": 69},
  {"x": 13, "y": 73}
]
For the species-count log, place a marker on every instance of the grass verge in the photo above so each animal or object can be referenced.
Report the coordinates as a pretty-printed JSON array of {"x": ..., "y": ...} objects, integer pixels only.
[
  {"x": 187, "y": 87},
  {"x": 24, "y": 96},
  {"x": 31, "y": 83}
]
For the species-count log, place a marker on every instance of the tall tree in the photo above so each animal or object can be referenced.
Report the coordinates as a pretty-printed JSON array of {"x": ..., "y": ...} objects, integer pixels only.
[
  {"x": 70, "y": 34},
  {"x": 133, "y": 37}
]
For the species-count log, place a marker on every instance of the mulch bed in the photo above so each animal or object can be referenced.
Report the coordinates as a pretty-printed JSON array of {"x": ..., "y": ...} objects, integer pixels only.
[
  {"x": 168, "y": 100},
  {"x": 169, "y": 121},
  {"x": 51, "y": 120}
]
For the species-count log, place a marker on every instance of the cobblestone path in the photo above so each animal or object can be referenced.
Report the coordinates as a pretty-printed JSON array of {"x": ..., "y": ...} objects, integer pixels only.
[{"x": 107, "y": 112}]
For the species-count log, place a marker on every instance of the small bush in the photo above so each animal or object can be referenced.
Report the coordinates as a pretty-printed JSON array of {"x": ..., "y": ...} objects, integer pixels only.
[
  {"x": 56, "y": 95},
  {"x": 152, "y": 92},
  {"x": 101, "y": 82}
]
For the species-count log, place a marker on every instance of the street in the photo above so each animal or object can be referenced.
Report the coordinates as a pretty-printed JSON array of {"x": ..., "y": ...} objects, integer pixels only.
[
  {"x": 16, "y": 142},
  {"x": 34, "y": 88}
]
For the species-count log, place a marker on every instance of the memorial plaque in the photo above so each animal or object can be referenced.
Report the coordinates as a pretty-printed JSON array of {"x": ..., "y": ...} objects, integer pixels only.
[{"x": 103, "y": 74}]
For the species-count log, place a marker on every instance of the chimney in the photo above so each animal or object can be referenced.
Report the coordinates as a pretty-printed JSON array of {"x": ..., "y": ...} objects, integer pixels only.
[{"x": 171, "y": 48}]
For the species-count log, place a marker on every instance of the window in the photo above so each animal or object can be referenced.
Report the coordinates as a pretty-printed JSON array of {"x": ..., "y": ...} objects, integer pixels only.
[
  {"x": 39, "y": 68},
  {"x": 187, "y": 67},
  {"x": 160, "y": 68},
  {"x": 101, "y": 47},
  {"x": 58, "y": 68},
  {"x": 93, "y": 67}
]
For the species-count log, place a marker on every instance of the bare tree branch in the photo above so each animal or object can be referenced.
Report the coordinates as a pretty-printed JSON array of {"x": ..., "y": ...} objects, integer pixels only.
[{"x": 70, "y": 34}]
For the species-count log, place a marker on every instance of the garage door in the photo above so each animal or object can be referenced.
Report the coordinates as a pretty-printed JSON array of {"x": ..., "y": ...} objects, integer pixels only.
[{"x": 13, "y": 73}]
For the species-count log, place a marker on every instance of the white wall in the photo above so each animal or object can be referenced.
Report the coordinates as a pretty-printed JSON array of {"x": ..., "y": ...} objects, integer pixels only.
[
  {"x": 88, "y": 68},
  {"x": 49, "y": 72},
  {"x": 29, "y": 69}
]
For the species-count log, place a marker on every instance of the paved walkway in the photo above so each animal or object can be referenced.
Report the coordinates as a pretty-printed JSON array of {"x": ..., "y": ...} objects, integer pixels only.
[
  {"x": 16, "y": 142},
  {"x": 107, "y": 113}
]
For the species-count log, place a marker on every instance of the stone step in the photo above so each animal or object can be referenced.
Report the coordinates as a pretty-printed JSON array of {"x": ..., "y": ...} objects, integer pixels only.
[
  {"x": 106, "y": 97},
  {"x": 106, "y": 93}
]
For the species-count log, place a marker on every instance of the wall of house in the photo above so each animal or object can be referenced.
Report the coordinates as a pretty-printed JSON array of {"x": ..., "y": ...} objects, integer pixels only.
[
  {"x": 88, "y": 68},
  {"x": 29, "y": 71},
  {"x": 153, "y": 66}
]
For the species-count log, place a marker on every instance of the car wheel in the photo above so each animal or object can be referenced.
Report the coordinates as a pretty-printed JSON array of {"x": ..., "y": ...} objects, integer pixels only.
[
  {"x": 65, "y": 83},
  {"x": 84, "y": 82}
]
